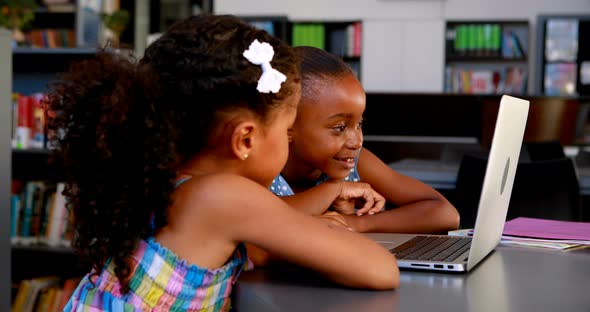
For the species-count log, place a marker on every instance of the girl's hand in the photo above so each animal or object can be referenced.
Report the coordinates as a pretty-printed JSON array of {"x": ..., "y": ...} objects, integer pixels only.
[
  {"x": 353, "y": 193},
  {"x": 334, "y": 220}
]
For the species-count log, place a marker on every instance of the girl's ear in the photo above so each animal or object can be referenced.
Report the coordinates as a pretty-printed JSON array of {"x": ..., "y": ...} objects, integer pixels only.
[{"x": 242, "y": 139}]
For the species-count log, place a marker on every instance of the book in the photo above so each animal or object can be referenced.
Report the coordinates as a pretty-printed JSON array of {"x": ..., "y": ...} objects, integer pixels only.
[
  {"x": 338, "y": 44},
  {"x": 357, "y": 39},
  {"x": 39, "y": 215},
  {"x": 267, "y": 26},
  {"x": 24, "y": 123},
  {"x": 513, "y": 81},
  {"x": 38, "y": 124},
  {"x": 58, "y": 219},
  {"x": 482, "y": 82},
  {"x": 29, "y": 293},
  {"x": 560, "y": 79},
  {"x": 88, "y": 23},
  {"x": 561, "y": 40}
]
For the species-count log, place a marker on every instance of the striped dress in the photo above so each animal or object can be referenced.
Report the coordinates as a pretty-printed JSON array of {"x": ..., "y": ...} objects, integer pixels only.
[{"x": 159, "y": 282}]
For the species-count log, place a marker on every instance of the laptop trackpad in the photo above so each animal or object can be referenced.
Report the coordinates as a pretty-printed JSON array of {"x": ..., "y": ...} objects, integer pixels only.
[{"x": 390, "y": 241}]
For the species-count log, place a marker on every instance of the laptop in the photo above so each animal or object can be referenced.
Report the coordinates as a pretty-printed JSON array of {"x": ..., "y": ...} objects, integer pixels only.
[{"x": 461, "y": 254}]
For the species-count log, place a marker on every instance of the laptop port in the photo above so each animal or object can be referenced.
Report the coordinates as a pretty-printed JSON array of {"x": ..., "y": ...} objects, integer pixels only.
[
  {"x": 450, "y": 266},
  {"x": 439, "y": 266}
]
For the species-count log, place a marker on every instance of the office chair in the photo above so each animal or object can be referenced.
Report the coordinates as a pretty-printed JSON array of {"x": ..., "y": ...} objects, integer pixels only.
[
  {"x": 583, "y": 158},
  {"x": 454, "y": 152},
  {"x": 547, "y": 189},
  {"x": 544, "y": 150}
]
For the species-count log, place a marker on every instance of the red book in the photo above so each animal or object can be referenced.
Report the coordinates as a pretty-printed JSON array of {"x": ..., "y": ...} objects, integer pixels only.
[
  {"x": 357, "y": 39},
  {"x": 25, "y": 112}
]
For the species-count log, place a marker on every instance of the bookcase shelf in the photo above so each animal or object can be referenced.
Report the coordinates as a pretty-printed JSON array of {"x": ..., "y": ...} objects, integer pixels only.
[
  {"x": 30, "y": 71},
  {"x": 31, "y": 151},
  {"x": 486, "y": 57},
  {"x": 52, "y": 51},
  {"x": 43, "y": 248}
]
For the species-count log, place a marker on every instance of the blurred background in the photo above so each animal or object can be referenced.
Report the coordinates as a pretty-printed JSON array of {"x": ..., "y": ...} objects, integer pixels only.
[{"x": 433, "y": 70}]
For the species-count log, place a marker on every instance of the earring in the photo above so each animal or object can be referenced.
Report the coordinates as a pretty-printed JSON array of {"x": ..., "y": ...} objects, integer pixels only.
[{"x": 245, "y": 156}]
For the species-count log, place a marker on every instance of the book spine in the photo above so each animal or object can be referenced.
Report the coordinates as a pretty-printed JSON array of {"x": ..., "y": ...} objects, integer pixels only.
[
  {"x": 15, "y": 210},
  {"x": 58, "y": 217},
  {"x": 357, "y": 39},
  {"x": 25, "y": 122},
  {"x": 350, "y": 40}
]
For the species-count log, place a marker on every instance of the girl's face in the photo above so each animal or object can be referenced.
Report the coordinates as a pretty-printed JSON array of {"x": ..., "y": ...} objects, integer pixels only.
[
  {"x": 327, "y": 134},
  {"x": 274, "y": 148}
]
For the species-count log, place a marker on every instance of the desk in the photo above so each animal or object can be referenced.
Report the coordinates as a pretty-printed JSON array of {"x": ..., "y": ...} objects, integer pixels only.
[{"x": 509, "y": 279}]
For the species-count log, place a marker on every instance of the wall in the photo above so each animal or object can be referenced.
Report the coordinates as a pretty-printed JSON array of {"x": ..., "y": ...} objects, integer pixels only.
[{"x": 403, "y": 46}]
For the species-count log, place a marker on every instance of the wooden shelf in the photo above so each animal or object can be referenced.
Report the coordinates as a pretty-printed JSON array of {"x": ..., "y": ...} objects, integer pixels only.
[
  {"x": 31, "y": 151},
  {"x": 53, "y": 51},
  {"x": 43, "y": 248},
  {"x": 486, "y": 59}
]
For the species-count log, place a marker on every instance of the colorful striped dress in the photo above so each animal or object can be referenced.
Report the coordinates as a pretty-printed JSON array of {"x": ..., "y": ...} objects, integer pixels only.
[{"x": 159, "y": 282}]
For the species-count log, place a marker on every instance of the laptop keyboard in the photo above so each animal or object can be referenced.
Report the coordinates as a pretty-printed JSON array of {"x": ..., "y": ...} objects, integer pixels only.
[{"x": 432, "y": 248}]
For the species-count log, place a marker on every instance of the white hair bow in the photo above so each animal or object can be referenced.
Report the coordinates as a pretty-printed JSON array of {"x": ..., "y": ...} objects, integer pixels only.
[{"x": 261, "y": 54}]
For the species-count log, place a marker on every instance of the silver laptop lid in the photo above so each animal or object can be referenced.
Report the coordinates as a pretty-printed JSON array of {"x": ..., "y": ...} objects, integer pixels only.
[{"x": 499, "y": 177}]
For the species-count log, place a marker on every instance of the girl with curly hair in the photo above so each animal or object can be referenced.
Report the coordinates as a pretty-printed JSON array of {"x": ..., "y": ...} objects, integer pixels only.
[{"x": 167, "y": 166}]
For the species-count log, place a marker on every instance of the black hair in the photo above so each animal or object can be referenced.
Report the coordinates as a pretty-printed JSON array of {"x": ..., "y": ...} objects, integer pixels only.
[
  {"x": 123, "y": 128},
  {"x": 319, "y": 68}
]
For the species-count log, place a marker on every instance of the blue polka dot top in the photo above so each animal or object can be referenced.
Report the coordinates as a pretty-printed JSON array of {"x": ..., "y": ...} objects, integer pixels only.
[{"x": 280, "y": 186}]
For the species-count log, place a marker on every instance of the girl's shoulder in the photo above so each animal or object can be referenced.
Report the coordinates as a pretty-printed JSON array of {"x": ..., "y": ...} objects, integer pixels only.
[
  {"x": 219, "y": 180},
  {"x": 221, "y": 189}
]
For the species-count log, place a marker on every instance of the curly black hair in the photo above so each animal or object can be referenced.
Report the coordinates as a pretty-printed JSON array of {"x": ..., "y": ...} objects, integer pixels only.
[
  {"x": 318, "y": 69},
  {"x": 124, "y": 128}
]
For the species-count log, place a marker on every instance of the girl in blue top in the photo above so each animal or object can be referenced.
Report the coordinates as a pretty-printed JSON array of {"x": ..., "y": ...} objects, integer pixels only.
[
  {"x": 167, "y": 164},
  {"x": 328, "y": 167}
]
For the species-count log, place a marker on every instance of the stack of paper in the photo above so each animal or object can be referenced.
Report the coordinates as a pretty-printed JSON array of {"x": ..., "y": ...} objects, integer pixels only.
[{"x": 542, "y": 233}]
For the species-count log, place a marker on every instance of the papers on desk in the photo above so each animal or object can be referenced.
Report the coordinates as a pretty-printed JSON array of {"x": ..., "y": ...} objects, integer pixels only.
[{"x": 531, "y": 232}]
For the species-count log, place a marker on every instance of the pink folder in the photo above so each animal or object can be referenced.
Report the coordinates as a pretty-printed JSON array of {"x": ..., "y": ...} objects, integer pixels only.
[{"x": 548, "y": 229}]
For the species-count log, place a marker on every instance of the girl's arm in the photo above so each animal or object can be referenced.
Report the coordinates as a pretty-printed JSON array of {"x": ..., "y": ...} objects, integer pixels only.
[
  {"x": 260, "y": 257},
  {"x": 315, "y": 200},
  {"x": 252, "y": 214},
  {"x": 420, "y": 208},
  {"x": 341, "y": 195}
]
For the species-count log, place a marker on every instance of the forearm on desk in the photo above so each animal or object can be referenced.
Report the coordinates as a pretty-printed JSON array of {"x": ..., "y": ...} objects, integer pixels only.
[{"x": 431, "y": 216}]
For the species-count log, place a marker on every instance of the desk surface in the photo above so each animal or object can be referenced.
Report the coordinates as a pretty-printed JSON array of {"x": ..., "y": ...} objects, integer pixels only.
[{"x": 509, "y": 279}]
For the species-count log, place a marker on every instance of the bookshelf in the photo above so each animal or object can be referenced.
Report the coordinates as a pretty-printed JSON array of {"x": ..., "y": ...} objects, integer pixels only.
[
  {"x": 31, "y": 70},
  {"x": 563, "y": 55},
  {"x": 486, "y": 57},
  {"x": 53, "y": 25},
  {"x": 342, "y": 38}
]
